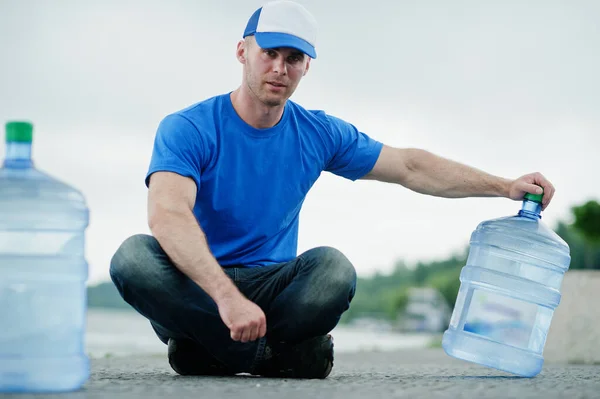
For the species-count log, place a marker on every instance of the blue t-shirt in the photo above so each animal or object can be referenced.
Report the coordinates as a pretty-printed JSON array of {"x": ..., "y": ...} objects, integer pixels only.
[{"x": 252, "y": 182}]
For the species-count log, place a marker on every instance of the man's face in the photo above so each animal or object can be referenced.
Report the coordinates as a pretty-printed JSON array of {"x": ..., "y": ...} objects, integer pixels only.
[{"x": 272, "y": 75}]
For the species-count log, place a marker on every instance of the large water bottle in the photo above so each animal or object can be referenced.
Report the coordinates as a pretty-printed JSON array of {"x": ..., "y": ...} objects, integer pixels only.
[
  {"x": 42, "y": 275},
  {"x": 509, "y": 290}
]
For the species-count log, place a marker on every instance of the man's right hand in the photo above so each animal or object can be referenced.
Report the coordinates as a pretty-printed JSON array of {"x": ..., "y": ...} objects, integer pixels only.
[{"x": 245, "y": 319}]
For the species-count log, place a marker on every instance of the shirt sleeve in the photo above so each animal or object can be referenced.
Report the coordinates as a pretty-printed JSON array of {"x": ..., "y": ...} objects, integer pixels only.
[
  {"x": 354, "y": 153},
  {"x": 177, "y": 148}
]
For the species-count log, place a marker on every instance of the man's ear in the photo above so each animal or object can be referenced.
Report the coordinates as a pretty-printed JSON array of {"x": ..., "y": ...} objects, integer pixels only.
[
  {"x": 307, "y": 67},
  {"x": 240, "y": 52}
]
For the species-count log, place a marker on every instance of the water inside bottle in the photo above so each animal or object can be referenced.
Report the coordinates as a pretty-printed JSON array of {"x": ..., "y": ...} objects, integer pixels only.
[
  {"x": 509, "y": 290},
  {"x": 42, "y": 275}
]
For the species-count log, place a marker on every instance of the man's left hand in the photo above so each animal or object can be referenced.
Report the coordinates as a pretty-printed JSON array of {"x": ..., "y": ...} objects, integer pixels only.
[{"x": 531, "y": 183}]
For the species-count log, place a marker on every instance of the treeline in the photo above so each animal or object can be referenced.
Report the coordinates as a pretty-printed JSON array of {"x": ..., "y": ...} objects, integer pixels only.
[
  {"x": 105, "y": 295},
  {"x": 383, "y": 296}
]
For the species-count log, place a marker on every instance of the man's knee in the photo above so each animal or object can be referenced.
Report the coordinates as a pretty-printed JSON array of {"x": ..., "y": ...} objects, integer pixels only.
[
  {"x": 131, "y": 260},
  {"x": 333, "y": 272},
  {"x": 332, "y": 264}
]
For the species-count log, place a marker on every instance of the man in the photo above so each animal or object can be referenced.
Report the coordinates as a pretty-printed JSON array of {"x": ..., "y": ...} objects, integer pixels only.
[{"x": 219, "y": 279}]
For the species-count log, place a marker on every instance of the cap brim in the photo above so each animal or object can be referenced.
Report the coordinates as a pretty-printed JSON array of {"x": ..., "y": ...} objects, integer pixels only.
[{"x": 275, "y": 40}]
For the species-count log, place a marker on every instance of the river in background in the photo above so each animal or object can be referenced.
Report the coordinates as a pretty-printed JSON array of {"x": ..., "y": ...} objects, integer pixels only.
[{"x": 122, "y": 333}]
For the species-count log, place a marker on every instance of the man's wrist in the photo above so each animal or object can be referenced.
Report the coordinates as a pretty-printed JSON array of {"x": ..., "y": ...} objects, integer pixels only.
[
  {"x": 225, "y": 291},
  {"x": 504, "y": 188}
]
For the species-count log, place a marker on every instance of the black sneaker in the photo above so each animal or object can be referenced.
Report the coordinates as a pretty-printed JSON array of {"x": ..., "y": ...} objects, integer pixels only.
[
  {"x": 188, "y": 358},
  {"x": 312, "y": 358}
]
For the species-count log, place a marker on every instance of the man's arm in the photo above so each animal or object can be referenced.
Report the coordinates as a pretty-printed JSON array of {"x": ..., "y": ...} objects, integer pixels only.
[
  {"x": 171, "y": 199},
  {"x": 427, "y": 173}
]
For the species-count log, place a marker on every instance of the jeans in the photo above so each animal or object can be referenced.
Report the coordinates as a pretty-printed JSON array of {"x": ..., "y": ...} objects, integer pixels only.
[{"x": 302, "y": 298}]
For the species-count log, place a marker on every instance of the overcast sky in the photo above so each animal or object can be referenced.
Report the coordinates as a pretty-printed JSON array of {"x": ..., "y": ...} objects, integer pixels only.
[{"x": 510, "y": 87}]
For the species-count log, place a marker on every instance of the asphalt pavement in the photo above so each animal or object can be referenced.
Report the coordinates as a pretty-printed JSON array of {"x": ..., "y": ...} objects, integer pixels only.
[{"x": 423, "y": 373}]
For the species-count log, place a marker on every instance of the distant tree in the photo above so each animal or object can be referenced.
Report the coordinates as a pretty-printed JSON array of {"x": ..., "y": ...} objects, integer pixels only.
[
  {"x": 400, "y": 300},
  {"x": 421, "y": 272},
  {"x": 587, "y": 223}
]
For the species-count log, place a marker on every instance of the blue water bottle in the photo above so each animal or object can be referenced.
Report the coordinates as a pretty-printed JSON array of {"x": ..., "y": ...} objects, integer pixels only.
[
  {"x": 42, "y": 274},
  {"x": 509, "y": 290}
]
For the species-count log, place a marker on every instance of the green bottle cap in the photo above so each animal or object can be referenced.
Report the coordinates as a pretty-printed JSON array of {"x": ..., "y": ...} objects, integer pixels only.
[
  {"x": 534, "y": 197},
  {"x": 19, "y": 131}
]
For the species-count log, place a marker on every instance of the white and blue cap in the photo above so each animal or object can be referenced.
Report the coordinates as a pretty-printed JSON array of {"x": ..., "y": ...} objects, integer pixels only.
[{"x": 284, "y": 23}]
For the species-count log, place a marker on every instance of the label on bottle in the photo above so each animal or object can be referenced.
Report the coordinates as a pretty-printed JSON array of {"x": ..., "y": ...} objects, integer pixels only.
[{"x": 500, "y": 318}]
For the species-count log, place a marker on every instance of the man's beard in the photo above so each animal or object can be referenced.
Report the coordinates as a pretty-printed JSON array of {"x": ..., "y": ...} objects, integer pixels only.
[
  {"x": 273, "y": 102},
  {"x": 264, "y": 98}
]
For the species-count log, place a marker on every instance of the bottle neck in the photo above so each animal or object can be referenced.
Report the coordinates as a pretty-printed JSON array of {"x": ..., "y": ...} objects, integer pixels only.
[
  {"x": 18, "y": 155},
  {"x": 531, "y": 209}
]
